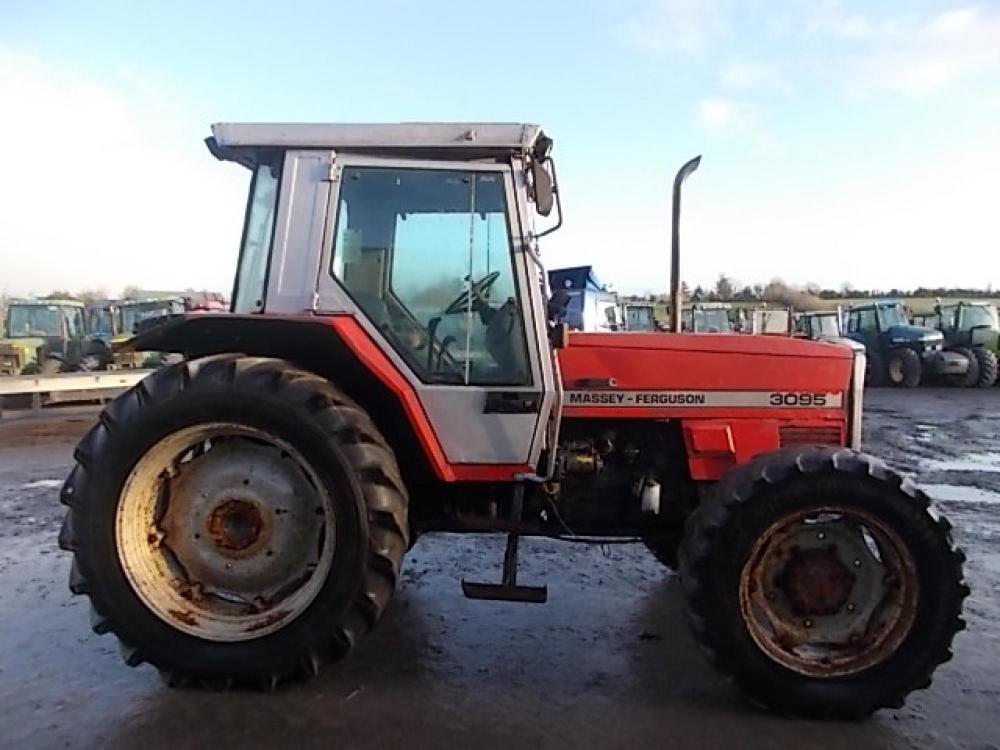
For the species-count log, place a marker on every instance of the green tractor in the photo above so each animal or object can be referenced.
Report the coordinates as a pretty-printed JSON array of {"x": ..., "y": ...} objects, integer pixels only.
[
  {"x": 971, "y": 329},
  {"x": 904, "y": 354},
  {"x": 43, "y": 336}
]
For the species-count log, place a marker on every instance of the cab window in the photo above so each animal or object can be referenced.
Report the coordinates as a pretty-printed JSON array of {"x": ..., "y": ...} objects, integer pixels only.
[{"x": 427, "y": 256}]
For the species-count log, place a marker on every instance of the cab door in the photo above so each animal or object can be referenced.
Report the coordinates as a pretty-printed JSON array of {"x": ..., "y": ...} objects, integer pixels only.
[{"x": 430, "y": 259}]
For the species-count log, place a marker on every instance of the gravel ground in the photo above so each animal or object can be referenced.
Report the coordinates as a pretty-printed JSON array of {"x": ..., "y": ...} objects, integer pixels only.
[{"x": 608, "y": 662}]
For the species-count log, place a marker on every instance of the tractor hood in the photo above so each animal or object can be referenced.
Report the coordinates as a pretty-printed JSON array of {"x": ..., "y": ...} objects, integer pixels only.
[
  {"x": 662, "y": 361},
  {"x": 27, "y": 346},
  {"x": 910, "y": 334}
]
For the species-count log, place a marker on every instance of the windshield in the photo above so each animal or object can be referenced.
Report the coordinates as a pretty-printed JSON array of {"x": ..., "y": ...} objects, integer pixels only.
[
  {"x": 826, "y": 325},
  {"x": 891, "y": 315},
  {"x": 29, "y": 321},
  {"x": 101, "y": 323},
  {"x": 641, "y": 319},
  {"x": 700, "y": 320},
  {"x": 132, "y": 315},
  {"x": 978, "y": 315}
]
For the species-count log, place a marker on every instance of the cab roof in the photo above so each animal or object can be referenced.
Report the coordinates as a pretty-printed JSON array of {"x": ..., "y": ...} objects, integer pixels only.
[
  {"x": 241, "y": 141},
  {"x": 45, "y": 302}
]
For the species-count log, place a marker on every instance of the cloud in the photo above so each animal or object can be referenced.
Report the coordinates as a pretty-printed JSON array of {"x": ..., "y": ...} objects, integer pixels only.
[
  {"x": 747, "y": 75},
  {"x": 906, "y": 53},
  {"x": 920, "y": 59},
  {"x": 717, "y": 115},
  {"x": 679, "y": 27},
  {"x": 107, "y": 184}
]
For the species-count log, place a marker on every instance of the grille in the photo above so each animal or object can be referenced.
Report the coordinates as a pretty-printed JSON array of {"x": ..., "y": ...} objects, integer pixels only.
[{"x": 810, "y": 436}]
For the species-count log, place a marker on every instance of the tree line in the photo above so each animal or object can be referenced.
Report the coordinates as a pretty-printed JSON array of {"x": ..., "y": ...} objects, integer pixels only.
[{"x": 804, "y": 297}]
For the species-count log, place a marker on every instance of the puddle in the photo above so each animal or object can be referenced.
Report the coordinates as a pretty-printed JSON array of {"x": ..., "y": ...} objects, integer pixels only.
[
  {"x": 953, "y": 493},
  {"x": 42, "y": 483},
  {"x": 970, "y": 462}
]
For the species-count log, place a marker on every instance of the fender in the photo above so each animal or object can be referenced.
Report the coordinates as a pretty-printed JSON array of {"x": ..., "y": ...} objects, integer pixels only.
[{"x": 339, "y": 349}]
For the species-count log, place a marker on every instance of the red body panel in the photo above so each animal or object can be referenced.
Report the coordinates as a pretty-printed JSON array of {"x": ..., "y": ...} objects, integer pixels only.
[
  {"x": 382, "y": 367},
  {"x": 772, "y": 382}
]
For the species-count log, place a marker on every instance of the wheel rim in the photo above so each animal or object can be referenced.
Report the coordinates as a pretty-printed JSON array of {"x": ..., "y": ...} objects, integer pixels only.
[
  {"x": 225, "y": 532},
  {"x": 896, "y": 370},
  {"x": 829, "y": 592}
]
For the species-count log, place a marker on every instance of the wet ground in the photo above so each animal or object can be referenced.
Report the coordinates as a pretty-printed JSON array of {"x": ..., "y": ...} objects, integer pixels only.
[{"x": 607, "y": 662}]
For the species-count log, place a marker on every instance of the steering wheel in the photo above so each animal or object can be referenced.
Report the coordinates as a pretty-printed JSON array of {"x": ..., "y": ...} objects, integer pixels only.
[{"x": 475, "y": 293}]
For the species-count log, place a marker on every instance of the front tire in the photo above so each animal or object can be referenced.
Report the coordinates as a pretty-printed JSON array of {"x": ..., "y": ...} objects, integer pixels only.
[
  {"x": 822, "y": 583},
  {"x": 235, "y": 521},
  {"x": 904, "y": 368}
]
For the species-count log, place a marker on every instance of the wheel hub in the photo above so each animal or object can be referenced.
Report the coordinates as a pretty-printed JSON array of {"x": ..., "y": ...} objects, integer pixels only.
[
  {"x": 235, "y": 525},
  {"x": 816, "y": 582}
]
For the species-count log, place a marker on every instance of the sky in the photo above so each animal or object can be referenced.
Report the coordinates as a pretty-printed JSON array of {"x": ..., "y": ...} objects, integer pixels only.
[{"x": 842, "y": 142}]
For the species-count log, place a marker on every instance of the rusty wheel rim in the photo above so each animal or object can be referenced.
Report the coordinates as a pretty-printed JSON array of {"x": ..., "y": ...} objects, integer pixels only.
[
  {"x": 225, "y": 532},
  {"x": 829, "y": 592}
]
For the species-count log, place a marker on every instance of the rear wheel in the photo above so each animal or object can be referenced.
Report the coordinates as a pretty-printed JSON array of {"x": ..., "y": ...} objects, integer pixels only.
[
  {"x": 971, "y": 375},
  {"x": 874, "y": 369},
  {"x": 903, "y": 368},
  {"x": 987, "y": 361},
  {"x": 235, "y": 520},
  {"x": 821, "y": 583}
]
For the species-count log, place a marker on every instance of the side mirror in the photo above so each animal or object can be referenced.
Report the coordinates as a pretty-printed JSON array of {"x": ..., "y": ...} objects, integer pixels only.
[
  {"x": 559, "y": 335},
  {"x": 542, "y": 185}
]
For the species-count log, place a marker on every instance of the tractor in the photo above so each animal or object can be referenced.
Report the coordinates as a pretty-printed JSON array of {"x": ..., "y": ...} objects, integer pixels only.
[
  {"x": 394, "y": 366},
  {"x": 901, "y": 353},
  {"x": 43, "y": 336},
  {"x": 707, "y": 317},
  {"x": 972, "y": 330},
  {"x": 640, "y": 316},
  {"x": 113, "y": 322}
]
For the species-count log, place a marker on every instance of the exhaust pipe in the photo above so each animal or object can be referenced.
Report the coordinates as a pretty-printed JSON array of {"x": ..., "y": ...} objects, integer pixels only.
[{"x": 676, "y": 298}]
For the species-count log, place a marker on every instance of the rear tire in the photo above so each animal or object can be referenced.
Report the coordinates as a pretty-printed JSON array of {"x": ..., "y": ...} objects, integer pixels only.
[
  {"x": 874, "y": 370},
  {"x": 911, "y": 610},
  {"x": 971, "y": 376},
  {"x": 987, "y": 367},
  {"x": 361, "y": 533},
  {"x": 665, "y": 548},
  {"x": 904, "y": 368}
]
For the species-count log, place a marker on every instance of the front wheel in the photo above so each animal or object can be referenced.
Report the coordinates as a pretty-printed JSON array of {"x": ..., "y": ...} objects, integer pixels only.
[
  {"x": 821, "y": 583},
  {"x": 904, "y": 368},
  {"x": 235, "y": 520}
]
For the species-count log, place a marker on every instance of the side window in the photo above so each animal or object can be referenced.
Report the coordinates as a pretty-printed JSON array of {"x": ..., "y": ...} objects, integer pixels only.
[
  {"x": 248, "y": 296},
  {"x": 867, "y": 321},
  {"x": 427, "y": 255}
]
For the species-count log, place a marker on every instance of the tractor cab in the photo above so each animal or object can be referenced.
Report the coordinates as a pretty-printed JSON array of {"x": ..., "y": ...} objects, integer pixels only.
[
  {"x": 41, "y": 335},
  {"x": 707, "y": 317},
  {"x": 423, "y": 236}
]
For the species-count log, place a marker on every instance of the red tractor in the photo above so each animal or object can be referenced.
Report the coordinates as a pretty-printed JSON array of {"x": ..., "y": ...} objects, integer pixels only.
[{"x": 392, "y": 367}]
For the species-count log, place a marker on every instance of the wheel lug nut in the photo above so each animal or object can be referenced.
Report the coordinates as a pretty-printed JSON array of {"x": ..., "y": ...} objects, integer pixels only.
[
  {"x": 808, "y": 623},
  {"x": 850, "y": 607},
  {"x": 821, "y": 535},
  {"x": 857, "y": 563}
]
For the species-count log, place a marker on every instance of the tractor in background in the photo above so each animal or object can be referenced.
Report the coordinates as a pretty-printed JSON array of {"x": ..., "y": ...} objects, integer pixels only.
[
  {"x": 43, "y": 336},
  {"x": 708, "y": 317},
  {"x": 111, "y": 323},
  {"x": 971, "y": 329},
  {"x": 901, "y": 354}
]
